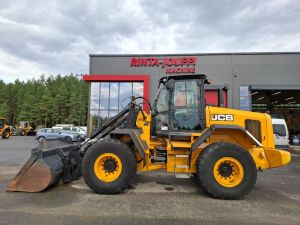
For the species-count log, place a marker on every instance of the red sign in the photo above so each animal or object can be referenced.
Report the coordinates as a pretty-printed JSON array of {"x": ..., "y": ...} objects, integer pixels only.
[{"x": 179, "y": 63}]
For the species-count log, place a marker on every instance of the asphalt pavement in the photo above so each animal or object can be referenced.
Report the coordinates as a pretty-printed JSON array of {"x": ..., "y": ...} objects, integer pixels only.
[{"x": 153, "y": 198}]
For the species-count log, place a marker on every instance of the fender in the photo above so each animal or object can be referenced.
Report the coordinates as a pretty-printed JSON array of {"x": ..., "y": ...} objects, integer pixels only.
[
  {"x": 135, "y": 135},
  {"x": 207, "y": 132}
]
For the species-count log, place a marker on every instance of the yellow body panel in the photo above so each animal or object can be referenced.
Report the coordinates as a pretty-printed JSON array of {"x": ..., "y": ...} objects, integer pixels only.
[
  {"x": 264, "y": 156},
  {"x": 277, "y": 157}
]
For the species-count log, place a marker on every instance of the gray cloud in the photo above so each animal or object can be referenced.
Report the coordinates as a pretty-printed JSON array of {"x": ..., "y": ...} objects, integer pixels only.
[{"x": 52, "y": 37}]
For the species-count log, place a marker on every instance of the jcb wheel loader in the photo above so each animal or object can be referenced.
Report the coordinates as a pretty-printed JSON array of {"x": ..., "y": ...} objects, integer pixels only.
[{"x": 224, "y": 148}]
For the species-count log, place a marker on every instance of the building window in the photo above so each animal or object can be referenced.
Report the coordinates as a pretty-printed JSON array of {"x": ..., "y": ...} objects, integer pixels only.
[
  {"x": 109, "y": 98},
  {"x": 244, "y": 98}
]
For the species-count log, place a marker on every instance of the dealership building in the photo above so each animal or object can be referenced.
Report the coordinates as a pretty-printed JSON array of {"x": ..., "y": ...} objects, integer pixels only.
[{"x": 262, "y": 82}]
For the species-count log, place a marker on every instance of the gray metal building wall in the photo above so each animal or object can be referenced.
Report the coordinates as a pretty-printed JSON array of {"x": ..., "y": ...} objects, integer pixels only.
[{"x": 263, "y": 70}]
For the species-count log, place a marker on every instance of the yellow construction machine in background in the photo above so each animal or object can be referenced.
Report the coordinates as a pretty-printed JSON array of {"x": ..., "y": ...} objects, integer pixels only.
[
  {"x": 5, "y": 129},
  {"x": 25, "y": 128}
]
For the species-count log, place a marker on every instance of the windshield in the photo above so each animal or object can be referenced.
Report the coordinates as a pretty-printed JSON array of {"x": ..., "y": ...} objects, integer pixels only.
[{"x": 279, "y": 129}]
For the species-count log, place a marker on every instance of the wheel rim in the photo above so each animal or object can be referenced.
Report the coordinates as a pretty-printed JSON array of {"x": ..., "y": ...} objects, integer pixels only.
[
  {"x": 228, "y": 172},
  {"x": 41, "y": 139},
  {"x": 68, "y": 139},
  {"x": 108, "y": 167}
]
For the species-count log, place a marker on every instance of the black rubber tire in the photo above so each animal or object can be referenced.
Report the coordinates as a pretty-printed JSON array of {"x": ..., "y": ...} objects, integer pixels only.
[
  {"x": 128, "y": 160},
  {"x": 41, "y": 138},
  {"x": 205, "y": 175},
  {"x": 68, "y": 139},
  {"x": 22, "y": 133}
]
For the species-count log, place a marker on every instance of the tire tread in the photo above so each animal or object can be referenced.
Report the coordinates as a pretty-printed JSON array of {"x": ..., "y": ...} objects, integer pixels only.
[
  {"x": 132, "y": 169},
  {"x": 206, "y": 153}
]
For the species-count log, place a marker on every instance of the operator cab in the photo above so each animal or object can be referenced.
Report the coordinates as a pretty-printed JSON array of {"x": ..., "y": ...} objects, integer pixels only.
[{"x": 179, "y": 108}]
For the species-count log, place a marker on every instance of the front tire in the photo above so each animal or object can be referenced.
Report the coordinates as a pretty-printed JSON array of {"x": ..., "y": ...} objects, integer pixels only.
[
  {"x": 226, "y": 170},
  {"x": 108, "y": 166},
  {"x": 41, "y": 139}
]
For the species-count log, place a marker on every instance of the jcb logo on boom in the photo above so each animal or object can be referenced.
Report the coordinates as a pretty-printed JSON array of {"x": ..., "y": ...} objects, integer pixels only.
[{"x": 222, "y": 117}]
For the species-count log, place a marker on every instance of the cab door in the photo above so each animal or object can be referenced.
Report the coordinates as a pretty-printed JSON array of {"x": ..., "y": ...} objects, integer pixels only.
[{"x": 186, "y": 113}]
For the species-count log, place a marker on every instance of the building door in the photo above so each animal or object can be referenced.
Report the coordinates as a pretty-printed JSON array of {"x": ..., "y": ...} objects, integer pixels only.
[{"x": 280, "y": 103}]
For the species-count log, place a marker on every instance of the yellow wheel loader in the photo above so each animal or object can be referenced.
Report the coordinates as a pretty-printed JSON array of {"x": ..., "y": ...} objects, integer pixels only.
[
  {"x": 5, "y": 130},
  {"x": 224, "y": 148},
  {"x": 26, "y": 129}
]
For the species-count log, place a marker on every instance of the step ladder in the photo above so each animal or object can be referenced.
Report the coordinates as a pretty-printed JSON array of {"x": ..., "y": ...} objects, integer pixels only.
[{"x": 185, "y": 166}]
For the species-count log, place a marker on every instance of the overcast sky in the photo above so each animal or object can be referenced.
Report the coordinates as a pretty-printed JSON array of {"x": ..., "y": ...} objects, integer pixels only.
[{"x": 56, "y": 37}]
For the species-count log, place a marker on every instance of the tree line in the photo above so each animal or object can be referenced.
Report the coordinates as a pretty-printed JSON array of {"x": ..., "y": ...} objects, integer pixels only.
[{"x": 45, "y": 101}]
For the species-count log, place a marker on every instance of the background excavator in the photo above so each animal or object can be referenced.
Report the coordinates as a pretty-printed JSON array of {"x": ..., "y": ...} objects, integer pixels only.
[{"x": 223, "y": 148}]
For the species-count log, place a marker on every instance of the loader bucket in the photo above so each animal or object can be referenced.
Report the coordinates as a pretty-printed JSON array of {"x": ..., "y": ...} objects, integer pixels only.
[{"x": 45, "y": 167}]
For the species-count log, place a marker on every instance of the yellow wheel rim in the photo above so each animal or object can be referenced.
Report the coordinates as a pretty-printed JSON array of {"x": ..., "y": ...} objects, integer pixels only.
[
  {"x": 228, "y": 172},
  {"x": 108, "y": 167}
]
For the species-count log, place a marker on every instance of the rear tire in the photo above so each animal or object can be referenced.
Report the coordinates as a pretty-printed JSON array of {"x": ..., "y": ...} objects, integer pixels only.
[
  {"x": 115, "y": 177},
  {"x": 226, "y": 170}
]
